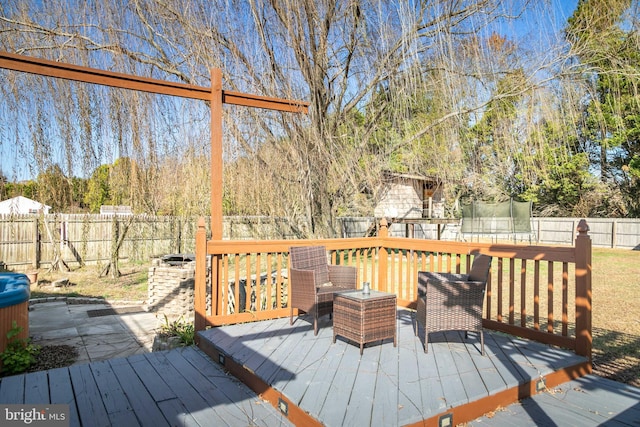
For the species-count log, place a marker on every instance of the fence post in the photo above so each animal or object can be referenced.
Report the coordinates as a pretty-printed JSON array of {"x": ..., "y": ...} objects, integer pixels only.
[
  {"x": 200, "y": 291},
  {"x": 614, "y": 233},
  {"x": 584, "y": 337},
  {"x": 36, "y": 244},
  {"x": 383, "y": 233}
]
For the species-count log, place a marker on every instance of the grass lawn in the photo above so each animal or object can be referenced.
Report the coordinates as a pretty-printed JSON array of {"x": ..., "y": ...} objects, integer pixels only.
[
  {"x": 616, "y": 314},
  {"x": 85, "y": 282},
  {"x": 616, "y": 308}
]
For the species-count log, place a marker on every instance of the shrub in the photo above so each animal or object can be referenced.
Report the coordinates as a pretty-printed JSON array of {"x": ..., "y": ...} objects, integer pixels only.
[
  {"x": 178, "y": 328},
  {"x": 19, "y": 354}
]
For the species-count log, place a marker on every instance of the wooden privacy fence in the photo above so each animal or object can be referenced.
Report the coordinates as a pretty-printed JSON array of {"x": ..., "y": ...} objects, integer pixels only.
[
  {"x": 88, "y": 238},
  {"x": 538, "y": 292},
  {"x": 36, "y": 241}
]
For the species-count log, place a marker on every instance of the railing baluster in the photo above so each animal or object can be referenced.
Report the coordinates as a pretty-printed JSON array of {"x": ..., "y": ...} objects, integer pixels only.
[
  {"x": 236, "y": 288},
  {"x": 247, "y": 282},
  {"x": 565, "y": 299},
  {"x": 365, "y": 264},
  {"x": 512, "y": 296},
  {"x": 268, "y": 289},
  {"x": 550, "y": 308},
  {"x": 489, "y": 294},
  {"x": 536, "y": 295},
  {"x": 523, "y": 293},
  {"x": 500, "y": 288},
  {"x": 223, "y": 289},
  {"x": 402, "y": 256}
]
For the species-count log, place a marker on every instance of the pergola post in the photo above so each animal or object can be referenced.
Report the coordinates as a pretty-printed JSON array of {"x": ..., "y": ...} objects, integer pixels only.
[
  {"x": 200, "y": 289},
  {"x": 216, "y": 154}
]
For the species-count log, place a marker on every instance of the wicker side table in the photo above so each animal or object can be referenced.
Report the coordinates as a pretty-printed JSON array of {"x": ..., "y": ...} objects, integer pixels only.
[{"x": 364, "y": 318}]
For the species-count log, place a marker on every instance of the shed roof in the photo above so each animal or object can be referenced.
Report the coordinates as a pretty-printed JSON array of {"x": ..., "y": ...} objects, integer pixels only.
[
  {"x": 21, "y": 205},
  {"x": 391, "y": 175}
]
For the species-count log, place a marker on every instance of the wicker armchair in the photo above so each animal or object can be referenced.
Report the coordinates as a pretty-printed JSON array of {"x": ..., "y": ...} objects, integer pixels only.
[
  {"x": 314, "y": 281},
  {"x": 452, "y": 301}
]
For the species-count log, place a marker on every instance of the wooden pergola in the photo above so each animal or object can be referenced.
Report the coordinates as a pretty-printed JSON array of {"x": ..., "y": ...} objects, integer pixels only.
[{"x": 214, "y": 94}]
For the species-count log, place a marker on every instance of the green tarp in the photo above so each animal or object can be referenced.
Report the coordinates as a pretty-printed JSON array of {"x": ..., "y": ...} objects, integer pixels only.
[{"x": 496, "y": 218}]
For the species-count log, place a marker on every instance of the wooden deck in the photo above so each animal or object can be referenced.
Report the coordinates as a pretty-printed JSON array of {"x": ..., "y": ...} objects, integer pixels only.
[
  {"x": 333, "y": 385},
  {"x": 179, "y": 388},
  {"x": 319, "y": 383}
]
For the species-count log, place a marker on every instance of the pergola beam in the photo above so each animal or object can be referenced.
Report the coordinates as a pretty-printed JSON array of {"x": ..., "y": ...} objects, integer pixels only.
[
  {"x": 255, "y": 101},
  {"x": 213, "y": 94},
  {"x": 78, "y": 73}
]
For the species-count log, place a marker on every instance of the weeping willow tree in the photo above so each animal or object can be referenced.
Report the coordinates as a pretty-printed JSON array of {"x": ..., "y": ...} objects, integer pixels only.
[{"x": 451, "y": 89}]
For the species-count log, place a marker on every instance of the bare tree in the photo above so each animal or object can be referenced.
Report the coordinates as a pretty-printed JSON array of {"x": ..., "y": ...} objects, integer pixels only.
[{"x": 392, "y": 86}]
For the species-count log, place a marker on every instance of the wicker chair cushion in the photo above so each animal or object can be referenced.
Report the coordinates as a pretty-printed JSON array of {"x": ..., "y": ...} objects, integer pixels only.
[{"x": 480, "y": 268}]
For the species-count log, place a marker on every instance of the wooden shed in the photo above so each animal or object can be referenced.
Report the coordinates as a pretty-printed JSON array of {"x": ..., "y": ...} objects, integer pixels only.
[{"x": 407, "y": 196}]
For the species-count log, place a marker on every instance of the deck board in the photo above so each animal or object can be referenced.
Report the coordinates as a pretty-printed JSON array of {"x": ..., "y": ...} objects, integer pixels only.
[
  {"x": 158, "y": 388},
  {"x": 510, "y": 373},
  {"x": 293, "y": 358},
  {"x": 236, "y": 396},
  {"x": 453, "y": 391},
  {"x": 489, "y": 375},
  {"x": 268, "y": 343},
  {"x": 140, "y": 398},
  {"x": 520, "y": 362},
  {"x": 126, "y": 417},
  {"x": 360, "y": 405},
  {"x": 36, "y": 388},
  {"x": 398, "y": 385},
  {"x": 189, "y": 398},
  {"x": 597, "y": 395},
  {"x": 91, "y": 409},
  {"x": 470, "y": 377},
  {"x": 112, "y": 395},
  {"x": 308, "y": 367},
  {"x": 12, "y": 389},
  {"x": 385, "y": 400},
  {"x": 419, "y": 385},
  {"x": 61, "y": 392},
  {"x": 336, "y": 402},
  {"x": 211, "y": 394},
  {"x": 318, "y": 388},
  {"x": 536, "y": 355},
  {"x": 243, "y": 339},
  {"x": 174, "y": 410},
  {"x": 270, "y": 366}
]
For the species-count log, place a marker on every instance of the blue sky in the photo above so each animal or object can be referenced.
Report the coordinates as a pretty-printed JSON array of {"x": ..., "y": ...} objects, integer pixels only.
[{"x": 538, "y": 30}]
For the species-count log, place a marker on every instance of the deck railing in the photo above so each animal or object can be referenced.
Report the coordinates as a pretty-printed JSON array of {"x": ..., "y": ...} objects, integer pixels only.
[{"x": 537, "y": 292}]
